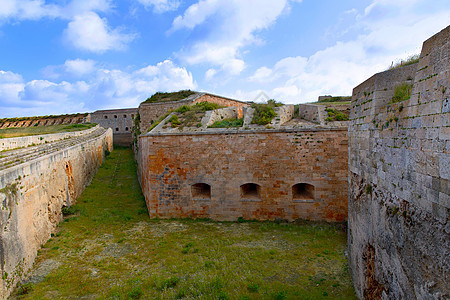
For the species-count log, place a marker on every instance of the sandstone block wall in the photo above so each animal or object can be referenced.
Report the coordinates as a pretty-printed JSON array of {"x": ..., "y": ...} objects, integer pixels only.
[
  {"x": 250, "y": 174},
  {"x": 121, "y": 121},
  {"x": 151, "y": 112},
  {"x": 32, "y": 195},
  {"x": 399, "y": 191},
  {"x": 25, "y": 141}
]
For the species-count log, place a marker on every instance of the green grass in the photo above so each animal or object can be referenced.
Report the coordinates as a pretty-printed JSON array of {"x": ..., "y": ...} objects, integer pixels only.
[
  {"x": 37, "y": 130},
  {"x": 109, "y": 249},
  {"x": 228, "y": 123},
  {"x": 166, "y": 97},
  {"x": 336, "y": 115},
  {"x": 336, "y": 99},
  {"x": 333, "y": 103},
  {"x": 405, "y": 62}
]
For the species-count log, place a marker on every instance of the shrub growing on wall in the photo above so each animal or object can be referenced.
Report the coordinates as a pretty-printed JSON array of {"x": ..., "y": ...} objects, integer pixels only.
[
  {"x": 402, "y": 92},
  {"x": 264, "y": 112}
]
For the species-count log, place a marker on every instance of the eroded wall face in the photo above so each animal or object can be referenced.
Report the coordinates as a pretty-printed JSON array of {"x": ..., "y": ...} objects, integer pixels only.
[
  {"x": 399, "y": 172},
  {"x": 273, "y": 162},
  {"x": 31, "y": 198}
]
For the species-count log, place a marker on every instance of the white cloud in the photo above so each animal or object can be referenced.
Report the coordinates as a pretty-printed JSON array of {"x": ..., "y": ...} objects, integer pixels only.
[
  {"x": 338, "y": 69},
  {"x": 79, "y": 67},
  {"x": 231, "y": 25},
  {"x": 161, "y": 6},
  {"x": 90, "y": 32},
  {"x": 102, "y": 88}
]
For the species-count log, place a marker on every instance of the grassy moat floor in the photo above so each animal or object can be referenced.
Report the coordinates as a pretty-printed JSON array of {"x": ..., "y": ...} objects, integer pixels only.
[{"x": 109, "y": 248}]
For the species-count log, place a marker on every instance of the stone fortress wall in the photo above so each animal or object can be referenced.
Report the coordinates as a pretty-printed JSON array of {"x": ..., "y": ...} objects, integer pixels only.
[
  {"x": 263, "y": 175},
  {"x": 25, "y": 141},
  {"x": 43, "y": 121},
  {"x": 33, "y": 193},
  {"x": 151, "y": 112},
  {"x": 399, "y": 180},
  {"x": 121, "y": 121}
]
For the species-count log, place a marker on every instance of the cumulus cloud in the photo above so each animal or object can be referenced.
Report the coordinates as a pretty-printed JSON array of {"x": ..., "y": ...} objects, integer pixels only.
[
  {"x": 101, "y": 88},
  {"x": 92, "y": 33},
  {"x": 86, "y": 30},
  {"x": 230, "y": 25},
  {"x": 391, "y": 31},
  {"x": 71, "y": 68},
  {"x": 161, "y": 6}
]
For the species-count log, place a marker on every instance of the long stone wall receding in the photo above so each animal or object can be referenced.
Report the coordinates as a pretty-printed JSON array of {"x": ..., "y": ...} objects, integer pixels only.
[
  {"x": 399, "y": 180},
  {"x": 25, "y": 141},
  {"x": 32, "y": 195},
  {"x": 43, "y": 121},
  {"x": 263, "y": 175},
  {"x": 151, "y": 112}
]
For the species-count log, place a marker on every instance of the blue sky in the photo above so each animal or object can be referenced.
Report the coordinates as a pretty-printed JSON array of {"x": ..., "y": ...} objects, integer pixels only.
[{"x": 83, "y": 55}]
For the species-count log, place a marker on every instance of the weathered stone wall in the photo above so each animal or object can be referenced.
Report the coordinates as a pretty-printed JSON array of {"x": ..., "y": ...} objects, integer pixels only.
[
  {"x": 32, "y": 195},
  {"x": 151, "y": 112},
  {"x": 213, "y": 116},
  {"x": 312, "y": 113},
  {"x": 25, "y": 141},
  {"x": 399, "y": 174},
  {"x": 36, "y": 121},
  {"x": 121, "y": 121},
  {"x": 170, "y": 164},
  {"x": 284, "y": 114}
]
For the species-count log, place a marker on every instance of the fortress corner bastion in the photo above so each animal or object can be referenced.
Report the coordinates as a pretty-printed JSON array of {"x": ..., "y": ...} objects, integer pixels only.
[{"x": 399, "y": 179}]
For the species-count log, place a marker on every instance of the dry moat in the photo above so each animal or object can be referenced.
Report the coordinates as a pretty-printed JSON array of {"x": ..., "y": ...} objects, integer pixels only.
[{"x": 108, "y": 248}]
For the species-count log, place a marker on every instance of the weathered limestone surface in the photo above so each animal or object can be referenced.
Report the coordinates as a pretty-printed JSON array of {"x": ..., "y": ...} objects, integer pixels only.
[
  {"x": 399, "y": 175},
  {"x": 276, "y": 160},
  {"x": 25, "y": 141},
  {"x": 32, "y": 195},
  {"x": 312, "y": 112},
  {"x": 213, "y": 116}
]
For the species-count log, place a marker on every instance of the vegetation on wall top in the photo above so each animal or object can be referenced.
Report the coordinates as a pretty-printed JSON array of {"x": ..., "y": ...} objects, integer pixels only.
[
  {"x": 405, "y": 62},
  {"x": 336, "y": 99},
  {"x": 228, "y": 123},
  {"x": 335, "y": 115},
  {"x": 167, "y": 97}
]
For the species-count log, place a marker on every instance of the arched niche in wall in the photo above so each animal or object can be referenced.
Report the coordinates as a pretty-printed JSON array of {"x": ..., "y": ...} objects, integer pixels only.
[
  {"x": 201, "y": 191},
  {"x": 251, "y": 191},
  {"x": 303, "y": 192}
]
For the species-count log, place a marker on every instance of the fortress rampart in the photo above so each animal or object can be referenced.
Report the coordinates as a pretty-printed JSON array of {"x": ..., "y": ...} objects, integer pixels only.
[
  {"x": 43, "y": 121},
  {"x": 33, "y": 193},
  {"x": 151, "y": 112},
  {"x": 262, "y": 175},
  {"x": 399, "y": 174},
  {"x": 25, "y": 141}
]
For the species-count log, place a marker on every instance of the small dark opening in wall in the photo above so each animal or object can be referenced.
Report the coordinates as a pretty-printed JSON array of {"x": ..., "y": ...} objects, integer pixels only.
[
  {"x": 126, "y": 128},
  {"x": 201, "y": 191},
  {"x": 124, "y": 116},
  {"x": 303, "y": 191},
  {"x": 106, "y": 117},
  {"x": 115, "y": 116},
  {"x": 117, "y": 129},
  {"x": 250, "y": 191},
  {"x": 132, "y": 116}
]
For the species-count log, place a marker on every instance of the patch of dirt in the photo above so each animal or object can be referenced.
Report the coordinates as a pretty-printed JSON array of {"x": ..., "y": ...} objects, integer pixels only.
[{"x": 38, "y": 274}]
